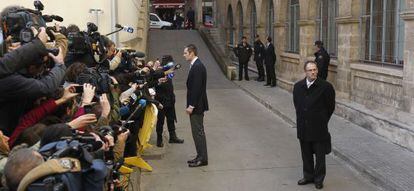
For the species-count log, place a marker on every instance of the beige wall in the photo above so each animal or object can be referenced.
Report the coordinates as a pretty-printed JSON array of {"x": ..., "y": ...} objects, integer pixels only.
[{"x": 131, "y": 13}]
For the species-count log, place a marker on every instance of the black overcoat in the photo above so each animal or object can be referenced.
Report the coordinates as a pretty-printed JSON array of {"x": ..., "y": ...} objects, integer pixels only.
[
  {"x": 322, "y": 60},
  {"x": 314, "y": 107}
]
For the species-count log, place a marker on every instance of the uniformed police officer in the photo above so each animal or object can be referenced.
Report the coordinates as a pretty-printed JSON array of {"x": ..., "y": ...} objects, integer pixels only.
[
  {"x": 322, "y": 59},
  {"x": 243, "y": 51}
]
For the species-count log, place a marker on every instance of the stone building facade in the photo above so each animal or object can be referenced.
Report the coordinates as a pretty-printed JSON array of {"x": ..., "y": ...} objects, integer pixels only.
[{"x": 371, "y": 43}]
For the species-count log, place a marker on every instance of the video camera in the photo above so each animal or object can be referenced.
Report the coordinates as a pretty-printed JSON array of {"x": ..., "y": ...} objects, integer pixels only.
[
  {"x": 17, "y": 22},
  {"x": 88, "y": 42}
]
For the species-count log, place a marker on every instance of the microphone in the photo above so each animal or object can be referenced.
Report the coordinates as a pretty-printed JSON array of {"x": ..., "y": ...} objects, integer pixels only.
[
  {"x": 50, "y": 18},
  {"x": 125, "y": 28}
]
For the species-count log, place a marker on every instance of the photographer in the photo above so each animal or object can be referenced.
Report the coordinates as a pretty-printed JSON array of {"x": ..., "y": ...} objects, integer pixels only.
[
  {"x": 114, "y": 56},
  {"x": 22, "y": 56},
  {"x": 27, "y": 85}
]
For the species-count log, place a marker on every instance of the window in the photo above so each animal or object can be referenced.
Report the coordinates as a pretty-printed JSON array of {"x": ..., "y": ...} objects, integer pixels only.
[
  {"x": 383, "y": 32},
  {"x": 153, "y": 18},
  {"x": 293, "y": 27},
  {"x": 240, "y": 15},
  {"x": 326, "y": 25},
  {"x": 270, "y": 17},
  {"x": 253, "y": 21}
]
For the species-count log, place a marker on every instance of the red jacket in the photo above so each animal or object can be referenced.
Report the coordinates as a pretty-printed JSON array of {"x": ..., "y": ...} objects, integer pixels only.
[{"x": 32, "y": 117}]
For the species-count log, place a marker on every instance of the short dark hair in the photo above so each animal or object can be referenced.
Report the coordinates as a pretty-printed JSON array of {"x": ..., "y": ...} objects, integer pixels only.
[
  {"x": 18, "y": 165},
  {"x": 269, "y": 39},
  {"x": 244, "y": 37},
  {"x": 307, "y": 63},
  {"x": 257, "y": 36},
  {"x": 73, "y": 28},
  {"x": 192, "y": 48},
  {"x": 319, "y": 43}
]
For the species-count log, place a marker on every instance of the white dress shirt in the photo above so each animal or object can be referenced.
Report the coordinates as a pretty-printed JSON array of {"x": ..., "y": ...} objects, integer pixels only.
[{"x": 308, "y": 83}]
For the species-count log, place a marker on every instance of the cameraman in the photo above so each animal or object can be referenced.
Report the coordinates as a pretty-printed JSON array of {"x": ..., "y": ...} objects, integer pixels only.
[
  {"x": 114, "y": 57},
  {"x": 20, "y": 89}
]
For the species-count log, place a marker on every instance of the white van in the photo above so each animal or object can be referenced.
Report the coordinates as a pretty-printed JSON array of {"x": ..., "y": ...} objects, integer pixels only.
[{"x": 157, "y": 23}]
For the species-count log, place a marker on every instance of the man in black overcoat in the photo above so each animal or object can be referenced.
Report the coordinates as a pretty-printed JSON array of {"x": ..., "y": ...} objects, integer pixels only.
[
  {"x": 270, "y": 61},
  {"x": 197, "y": 104},
  {"x": 314, "y": 100},
  {"x": 165, "y": 95},
  {"x": 258, "y": 58},
  {"x": 322, "y": 59}
]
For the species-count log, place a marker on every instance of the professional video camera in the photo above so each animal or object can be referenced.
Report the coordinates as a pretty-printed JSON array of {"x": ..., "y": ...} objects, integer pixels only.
[
  {"x": 88, "y": 42},
  {"x": 100, "y": 79},
  {"x": 17, "y": 23}
]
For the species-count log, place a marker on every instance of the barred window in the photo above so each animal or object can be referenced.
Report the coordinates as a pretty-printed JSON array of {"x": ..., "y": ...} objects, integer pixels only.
[
  {"x": 293, "y": 27},
  {"x": 253, "y": 21},
  {"x": 326, "y": 25},
  {"x": 270, "y": 19},
  {"x": 240, "y": 15},
  {"x": 383, "y": 32},
  {"x": 230, "y": 24}
]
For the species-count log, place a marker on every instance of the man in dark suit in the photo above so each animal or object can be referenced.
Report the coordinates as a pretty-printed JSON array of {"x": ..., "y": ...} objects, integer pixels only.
[
  {"x": 270, "y": 61},
  {"x": 191, "y": 18},
  {"x": 258, "y": 58},
  {"x": 322, "y": 60},
  {"x": 197, "y": 104},
  {"x": 314, "y": 100}
]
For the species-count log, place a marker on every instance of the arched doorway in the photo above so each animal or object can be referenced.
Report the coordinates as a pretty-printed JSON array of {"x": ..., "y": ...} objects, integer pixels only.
[
  {"x": 251, "y": 7},
  {"x": 240, "y": 21},
  {"x": 230, "y": 25}
]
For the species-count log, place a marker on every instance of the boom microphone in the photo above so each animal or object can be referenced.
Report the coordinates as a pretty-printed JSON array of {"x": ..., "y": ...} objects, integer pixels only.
[{"x": 125, "y": 28}]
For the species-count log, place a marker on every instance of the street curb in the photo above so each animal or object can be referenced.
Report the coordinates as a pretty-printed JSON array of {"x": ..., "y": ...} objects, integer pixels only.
[{"x": 370, "y": 174}]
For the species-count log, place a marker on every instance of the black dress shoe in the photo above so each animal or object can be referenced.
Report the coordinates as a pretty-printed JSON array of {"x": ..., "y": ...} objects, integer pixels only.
[
  {"x": 267, "y": 85},
  {"x": 193, "y": 160},
  {"x": 319, "y": 185},
  {"x": 197, "y": 163},
  {"x": 176, "y": 140},
  {"x": 304, "y": 181},
  {"x": 247, "y": 79},
  {"x": 273, "y": 85}
]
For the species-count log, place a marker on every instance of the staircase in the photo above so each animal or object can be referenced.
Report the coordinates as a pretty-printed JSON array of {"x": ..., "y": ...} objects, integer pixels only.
[{"x": 217, "y": 37}]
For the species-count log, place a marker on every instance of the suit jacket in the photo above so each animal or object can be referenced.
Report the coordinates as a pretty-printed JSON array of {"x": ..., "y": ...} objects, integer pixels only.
[
  {"x": 314, "y": 107},
  {"x": 258, "y": 50},
  {"x": 270, "y": 56},
  {"x": 196, "y": 88}
]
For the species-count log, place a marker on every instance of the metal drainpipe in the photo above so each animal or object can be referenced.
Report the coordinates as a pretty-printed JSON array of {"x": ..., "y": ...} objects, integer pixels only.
[{"x": 114, "y": 20}]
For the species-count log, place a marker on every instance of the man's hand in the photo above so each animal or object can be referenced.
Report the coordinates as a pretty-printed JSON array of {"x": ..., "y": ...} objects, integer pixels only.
[
  {"x": 88, "y": 94},
  {"x": 106, "y": 106},
  {"x": 189, "y": 110},
  {"x": 59, "y": 59},
  {"x": 123, "y": 136},
  {"x": 41, "y": 35},
  {"x": 68, "y": 94},
  {"x": 82, "y": 121}
]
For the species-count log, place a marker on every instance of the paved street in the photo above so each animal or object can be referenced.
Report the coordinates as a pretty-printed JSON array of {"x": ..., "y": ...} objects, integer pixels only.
[{"x": 250, "y": 148}]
